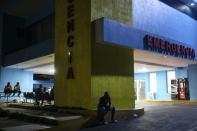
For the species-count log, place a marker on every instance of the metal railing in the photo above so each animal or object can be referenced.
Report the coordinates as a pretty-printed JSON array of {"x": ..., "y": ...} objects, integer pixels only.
[
  {"x": 25, "y": 96},
  {"x": 7, "y": 96}
]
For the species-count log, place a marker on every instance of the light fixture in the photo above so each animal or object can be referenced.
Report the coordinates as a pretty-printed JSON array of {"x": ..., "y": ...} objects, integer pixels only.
[
  {"x": 144, "y": 69},
  {"x": 52, "y": 71},
  {"x": 195, "y": 1},
  {"x": 192, "y": 4}
]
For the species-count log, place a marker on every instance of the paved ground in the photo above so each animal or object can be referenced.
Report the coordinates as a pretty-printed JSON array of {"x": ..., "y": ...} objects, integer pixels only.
[
  {"x": 17, "y": 125},
  {"x": 157, "y": 118},
  {"x": 20, "y": 125}
]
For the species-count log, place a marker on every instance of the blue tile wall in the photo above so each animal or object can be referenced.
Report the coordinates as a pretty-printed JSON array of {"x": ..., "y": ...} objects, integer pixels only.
[
  {"x": 15, "y": 75},
  {"x": 161, "y": 85},
  {"x": 145, "y": 77},
  {"x": 181, "y": 72}
]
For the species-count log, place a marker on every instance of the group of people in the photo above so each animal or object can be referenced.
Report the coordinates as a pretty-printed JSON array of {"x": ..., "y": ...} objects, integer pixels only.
[
  {"x": 8, "y": 90},
  {"x": 41, "y": 94}
]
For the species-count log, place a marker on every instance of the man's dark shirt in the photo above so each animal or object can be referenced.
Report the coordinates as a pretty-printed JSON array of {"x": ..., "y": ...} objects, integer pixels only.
[{"x": 104, "y": 102}]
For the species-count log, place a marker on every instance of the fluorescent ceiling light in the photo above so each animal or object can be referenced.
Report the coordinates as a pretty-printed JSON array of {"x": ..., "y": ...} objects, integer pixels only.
[
  {"x": 52, "y": 71},
  {"x": 195, "y": 1},
  {"x": 144, "y": 69}
]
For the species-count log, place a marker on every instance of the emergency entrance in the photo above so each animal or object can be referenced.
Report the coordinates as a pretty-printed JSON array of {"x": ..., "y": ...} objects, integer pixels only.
[{"x": 160, "y": 77}]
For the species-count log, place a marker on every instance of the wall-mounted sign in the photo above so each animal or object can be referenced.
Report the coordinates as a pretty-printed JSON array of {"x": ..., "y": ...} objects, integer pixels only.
[
  {"x": 70, "y": 36},
  {"x": 169, "y": 48}
]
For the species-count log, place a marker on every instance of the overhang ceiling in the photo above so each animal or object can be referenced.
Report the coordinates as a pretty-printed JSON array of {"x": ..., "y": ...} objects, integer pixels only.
[
  {"x": 157, "y": 59},
  {"x": 142, "y": 68},
  {"x": 41, "y": 65},
  {"x": 145, "y": 61}
]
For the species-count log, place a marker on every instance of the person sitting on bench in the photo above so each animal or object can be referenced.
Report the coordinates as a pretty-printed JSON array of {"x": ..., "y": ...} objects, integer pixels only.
[
  {"x": 8, "y": 89},
  {"x": 38, "y": 94},
  {"x": 104, "y": 106},
  {"x": 17, "y": 89}
]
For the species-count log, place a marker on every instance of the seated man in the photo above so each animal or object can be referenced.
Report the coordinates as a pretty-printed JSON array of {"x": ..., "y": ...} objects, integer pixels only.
[
  {"x": 8, "y": 89},
  {"x": 52, "y": 93},
  {"x": 38, "y": 94},
  {"x": 104, "y": 106},
  {"x": 17, "y": 89}
]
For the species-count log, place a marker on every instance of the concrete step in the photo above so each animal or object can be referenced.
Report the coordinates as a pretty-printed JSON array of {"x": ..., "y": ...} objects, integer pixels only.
[
  {"x": 7, "y": 124},
  {"x": 30, "y": 127},
  {"x": 39, "y": 116},
  {"x": 67, "y": 118}
]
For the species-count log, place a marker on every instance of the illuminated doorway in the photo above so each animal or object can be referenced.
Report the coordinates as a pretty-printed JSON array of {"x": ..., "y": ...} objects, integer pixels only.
[{"x": 139, "y": 90}]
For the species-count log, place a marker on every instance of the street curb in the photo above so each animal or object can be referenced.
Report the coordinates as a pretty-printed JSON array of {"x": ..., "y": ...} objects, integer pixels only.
[{"x": 171, "y": 102}]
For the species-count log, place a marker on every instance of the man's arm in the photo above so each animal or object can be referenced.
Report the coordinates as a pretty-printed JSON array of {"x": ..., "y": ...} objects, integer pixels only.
[{"x": 110, "y": 101}]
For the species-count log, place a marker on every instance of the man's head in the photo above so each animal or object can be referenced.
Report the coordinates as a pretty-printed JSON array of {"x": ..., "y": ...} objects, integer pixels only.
[{"x": 106, "y": 94}]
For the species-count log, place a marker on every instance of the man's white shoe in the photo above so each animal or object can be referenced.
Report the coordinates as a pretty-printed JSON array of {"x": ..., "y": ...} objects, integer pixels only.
[
  {"x": 114, "y": 121},
  {"x": 105, "y": 122}
]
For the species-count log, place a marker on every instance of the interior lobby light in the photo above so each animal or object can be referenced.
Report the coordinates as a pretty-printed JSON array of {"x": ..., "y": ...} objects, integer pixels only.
[
  {"x": 52, "y": 71},
  {"x": 144, "y": 69}
]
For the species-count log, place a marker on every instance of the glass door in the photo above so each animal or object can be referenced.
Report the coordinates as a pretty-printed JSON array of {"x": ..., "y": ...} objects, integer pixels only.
[{"x": 139, "y": 90}]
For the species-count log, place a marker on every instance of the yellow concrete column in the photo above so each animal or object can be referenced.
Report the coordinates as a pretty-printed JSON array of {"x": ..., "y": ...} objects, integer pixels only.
[
  {"x": 84, "y": 68},
  {"x": 72, "y": 34},
  {"x": 113, "y": 71}
]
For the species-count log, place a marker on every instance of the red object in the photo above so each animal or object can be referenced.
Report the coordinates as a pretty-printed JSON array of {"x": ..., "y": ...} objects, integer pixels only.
[{"x": 182, "y": 93}]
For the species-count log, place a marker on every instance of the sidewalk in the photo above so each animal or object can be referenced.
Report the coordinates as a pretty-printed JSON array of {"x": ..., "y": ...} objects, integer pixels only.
[
  {"x": 59, "y": 119},
  {"x": 20, "y": 119},
  {"x": 16, "y": 125},
  {"x": 171, "y": 102}
]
